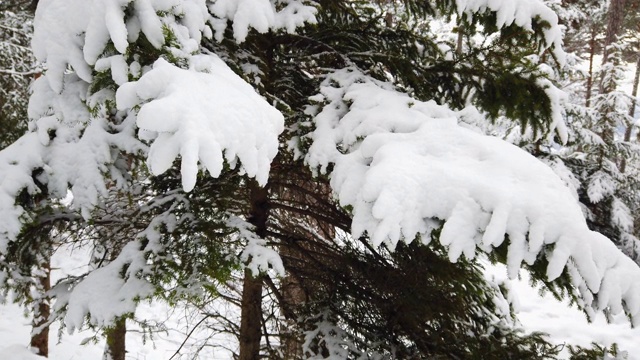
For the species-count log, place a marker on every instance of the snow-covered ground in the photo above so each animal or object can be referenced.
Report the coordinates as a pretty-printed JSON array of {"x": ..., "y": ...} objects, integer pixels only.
[
  {"x": 15, "y": 327},
  {"x": 565, "y": 324},
  {"x": 537, "y": 313}
]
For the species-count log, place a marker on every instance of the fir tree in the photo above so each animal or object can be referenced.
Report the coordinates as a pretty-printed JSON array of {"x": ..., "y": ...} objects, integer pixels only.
[{"x": 312, "y": 149}]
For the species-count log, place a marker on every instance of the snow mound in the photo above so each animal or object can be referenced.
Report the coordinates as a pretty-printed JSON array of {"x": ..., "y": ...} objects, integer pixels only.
[{"x": 18, "y": 352}]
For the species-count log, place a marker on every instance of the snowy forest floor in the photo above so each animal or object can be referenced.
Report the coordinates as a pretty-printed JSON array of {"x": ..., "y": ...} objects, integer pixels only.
[{"x": 564, "y": 324}]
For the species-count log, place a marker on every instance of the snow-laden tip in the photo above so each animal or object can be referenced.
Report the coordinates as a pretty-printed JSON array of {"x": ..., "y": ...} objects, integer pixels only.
[
  {"x": 401, "y": 163},
  {"x": 76, "y": 33},
  {"x": 261, "y": 15},
  {"x": 203, "y": 114},
  {"x": 521, "y": 13}
]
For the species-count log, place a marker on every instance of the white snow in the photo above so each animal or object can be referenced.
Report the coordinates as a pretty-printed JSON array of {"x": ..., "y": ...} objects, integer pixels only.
[
  {"x": 521, "y": 13},
  {"x": 399, "y": 163},
  {"x": 76, "y": 32},
  {"x": 566, "y": 326},
  {"x": 103, "y": 294},
  {"x": 260, "y": 15},
  {"x": 256, "y": 255},
  {"x": 17, "y": 352},
  {"x": 17, "y": 161},
  {"x": 203, "y": 114}
]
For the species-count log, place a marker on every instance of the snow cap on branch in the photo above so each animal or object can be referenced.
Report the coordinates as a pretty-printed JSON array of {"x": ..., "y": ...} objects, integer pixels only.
[
  {"x": 261, "y": 15},
  {"x": 76, "y": 32},
  {"x": 203, "y": 114},
  {"x": 17, "y": 162},
  {"x": 403, "y": 165},
  {"x": 521, "y": 13}
]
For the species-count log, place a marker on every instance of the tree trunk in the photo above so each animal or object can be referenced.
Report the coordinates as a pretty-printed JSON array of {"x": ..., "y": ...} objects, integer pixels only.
[
  {"x": 592, "y": 53},
  {"x": 292, "y": 187},
  {"x": 251, "y": 312},
  {"x": 41, "y": 311},
  {"x": 251, "y": 323},
  {"x": 615, "y": 15},
  {"x": 293, "y": 296},
  {"x": 632, "y": 113},
  {"x": 115, "y": 348},
  {"x": 116, "y": 336},
  {"x": 634, "y": 94}
]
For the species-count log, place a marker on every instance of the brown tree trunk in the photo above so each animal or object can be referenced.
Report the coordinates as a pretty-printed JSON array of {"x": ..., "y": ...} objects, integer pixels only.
[
  {"x": 634, "y": 94},
  {"x": 116, "y": 336},
  {"x": 115, "y": 348},
  {"x": 293, "y": 296},
  {"x": 251, "y": 311},
  {"x": 41, "y": 311},
  {"x": 288, "y": 192}
]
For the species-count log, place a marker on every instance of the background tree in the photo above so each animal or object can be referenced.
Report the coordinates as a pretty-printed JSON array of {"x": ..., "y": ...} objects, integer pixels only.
[{"x": 17, "y": 68}]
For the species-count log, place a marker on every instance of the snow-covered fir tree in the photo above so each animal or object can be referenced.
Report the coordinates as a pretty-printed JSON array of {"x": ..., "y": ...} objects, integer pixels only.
[{"x": 327, "y": 157}]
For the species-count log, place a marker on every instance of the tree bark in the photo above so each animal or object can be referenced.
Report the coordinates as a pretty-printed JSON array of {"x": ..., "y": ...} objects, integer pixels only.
[
  {"x": 634, "y": 94},
  {"x": 251, "y": 323},
  {"x": 293, "y": 296},
  {"x": 592, "y": 53},
  {"x": 116, "y": 341},
  {"x": 115, "y": 348},
  {"x": 41, "y": 311},
  {"x": 251, "y": 311}
]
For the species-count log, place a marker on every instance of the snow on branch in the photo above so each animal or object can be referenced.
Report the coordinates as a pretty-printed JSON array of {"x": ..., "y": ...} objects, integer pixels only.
[
  {"x": 326, "y": 334},
  {"x": 17, "y": 163},
  {"x": 76, "y": 32},
  {"x": 66, "y": 149},
  {"x": 256, "y": 255},
  {"x": 403, "y": 165},
  {"x": 203, "y": 114},
  {"x": 261, "y": 15},
  {"x": 521, "y": 13},
  {"x": 118, "y": 295}
]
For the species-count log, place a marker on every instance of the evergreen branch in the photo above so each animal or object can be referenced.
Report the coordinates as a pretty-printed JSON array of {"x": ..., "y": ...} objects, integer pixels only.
[{"x": 21, "y": 73}]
